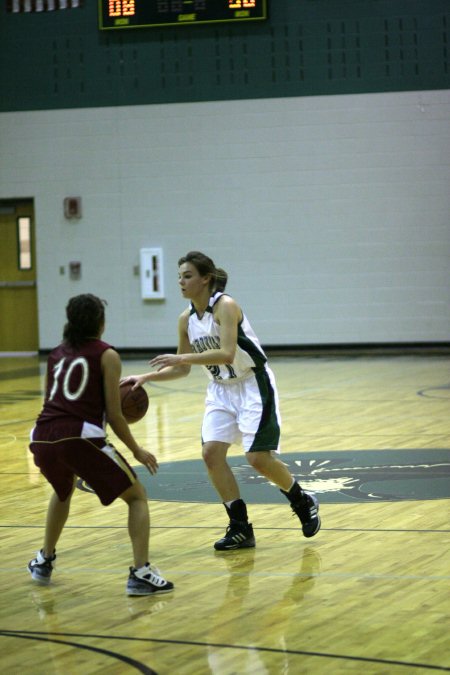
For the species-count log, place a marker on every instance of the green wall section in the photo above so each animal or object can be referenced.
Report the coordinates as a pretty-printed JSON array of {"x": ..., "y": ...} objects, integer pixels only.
[{"x": 307, "y": 47}]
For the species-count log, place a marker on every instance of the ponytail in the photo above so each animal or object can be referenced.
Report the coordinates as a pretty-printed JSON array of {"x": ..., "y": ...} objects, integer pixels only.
[{"x": 220, "y": 279}]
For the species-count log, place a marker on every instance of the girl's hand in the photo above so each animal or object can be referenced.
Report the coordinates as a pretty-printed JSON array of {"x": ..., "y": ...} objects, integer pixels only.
[
  {"x": 147, "y": 459},
  {"x": 136, "y": 380}
]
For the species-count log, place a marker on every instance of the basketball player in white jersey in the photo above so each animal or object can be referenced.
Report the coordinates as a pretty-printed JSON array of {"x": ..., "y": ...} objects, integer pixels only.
[{"x": 241, "y": 400}]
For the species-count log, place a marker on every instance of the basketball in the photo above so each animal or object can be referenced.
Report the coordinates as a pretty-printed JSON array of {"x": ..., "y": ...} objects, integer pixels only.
[{"x": 134, "y": 403}]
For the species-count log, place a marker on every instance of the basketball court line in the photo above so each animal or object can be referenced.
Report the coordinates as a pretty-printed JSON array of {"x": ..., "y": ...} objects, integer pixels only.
[
  {"x": 244, "y": 648},
  {"x": 262, "y": 528}
]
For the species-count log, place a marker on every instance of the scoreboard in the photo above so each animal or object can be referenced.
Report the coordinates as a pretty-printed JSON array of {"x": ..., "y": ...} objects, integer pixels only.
[{"x": 119, "y": 14}]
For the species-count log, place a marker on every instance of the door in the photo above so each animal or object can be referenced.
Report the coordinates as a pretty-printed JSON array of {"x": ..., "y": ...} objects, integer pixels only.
[{"x": 18, "y": 294}]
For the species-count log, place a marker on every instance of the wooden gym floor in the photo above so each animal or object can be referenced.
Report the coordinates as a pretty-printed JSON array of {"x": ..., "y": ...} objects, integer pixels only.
[{"x": 369, "y": 594}]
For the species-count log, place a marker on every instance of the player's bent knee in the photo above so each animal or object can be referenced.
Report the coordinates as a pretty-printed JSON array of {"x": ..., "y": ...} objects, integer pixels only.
[
  {"x": 207, "y": 455},
  {"x": 214, "y": 453},
  {"x": 258, "y": 460},
  {"x": 135, "y": 491}
]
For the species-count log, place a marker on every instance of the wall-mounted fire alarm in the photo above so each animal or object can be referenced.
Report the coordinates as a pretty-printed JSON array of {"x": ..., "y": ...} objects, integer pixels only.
[
  {"x": 72, "y": 207},
  {"x": 152, "y": 274}
]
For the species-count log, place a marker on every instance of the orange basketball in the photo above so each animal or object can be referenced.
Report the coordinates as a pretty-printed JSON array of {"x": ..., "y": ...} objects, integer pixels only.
[{"x": 134, "y": 402}]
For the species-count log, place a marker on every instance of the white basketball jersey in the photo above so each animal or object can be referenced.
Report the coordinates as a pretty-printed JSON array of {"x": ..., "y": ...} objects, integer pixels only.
[{"x": 204, "y": 333}]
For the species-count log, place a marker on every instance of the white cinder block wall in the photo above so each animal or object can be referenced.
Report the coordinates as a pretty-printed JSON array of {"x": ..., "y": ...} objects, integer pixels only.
[{"x": 331, "y": 214}]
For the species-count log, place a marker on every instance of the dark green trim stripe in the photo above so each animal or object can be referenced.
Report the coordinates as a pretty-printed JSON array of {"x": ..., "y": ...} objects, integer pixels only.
[
  {"x": 248, "y": 346},
  {"x": 268, "y": 435}
]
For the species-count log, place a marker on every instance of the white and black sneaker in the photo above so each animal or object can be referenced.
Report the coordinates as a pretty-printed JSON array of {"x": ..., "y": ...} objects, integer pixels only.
[
  {"x": 147, "y": 580},
  {"x": 41, "y": 568},
  {"x": 307, "y": 509},
  {"x": 238, "y": 535}
]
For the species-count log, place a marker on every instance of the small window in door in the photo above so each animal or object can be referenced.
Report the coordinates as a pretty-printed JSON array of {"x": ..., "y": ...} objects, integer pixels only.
[{"x": 24, "y": 242}]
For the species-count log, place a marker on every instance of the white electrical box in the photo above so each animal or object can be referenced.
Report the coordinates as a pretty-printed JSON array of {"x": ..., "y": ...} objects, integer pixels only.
[{"x": 152, "y": 269}]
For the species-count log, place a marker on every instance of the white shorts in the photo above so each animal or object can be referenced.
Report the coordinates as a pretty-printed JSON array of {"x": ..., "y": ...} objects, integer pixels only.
[{"x": 245, "y": 412}]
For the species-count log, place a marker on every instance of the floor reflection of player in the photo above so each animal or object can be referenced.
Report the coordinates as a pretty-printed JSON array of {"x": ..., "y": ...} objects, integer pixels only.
[
  {"x": 265, "y": 628},
  {"x": 137, "y": 610},
  {"x": 231, "y": 619},
  {"x": 45, "y": 601},
  {"x": 279, "y": 618}
]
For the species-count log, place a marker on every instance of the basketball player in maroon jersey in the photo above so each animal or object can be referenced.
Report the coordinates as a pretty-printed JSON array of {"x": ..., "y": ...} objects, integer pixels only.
[{"x": 68, "y": 441}]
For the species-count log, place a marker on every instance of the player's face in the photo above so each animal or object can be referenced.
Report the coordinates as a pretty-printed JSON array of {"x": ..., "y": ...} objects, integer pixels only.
[{"x": 192, "y": 284}]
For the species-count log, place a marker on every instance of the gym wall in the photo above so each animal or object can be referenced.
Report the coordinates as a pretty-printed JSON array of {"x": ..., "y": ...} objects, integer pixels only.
[{"x": 308, "y": 155}]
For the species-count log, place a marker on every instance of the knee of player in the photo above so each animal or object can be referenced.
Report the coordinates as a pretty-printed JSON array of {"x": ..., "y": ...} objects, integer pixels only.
[
  {"x": 134, "y": 493},
  {"x": 257, "y": 460},
  {"x": 140, "y": 491},
  {"x": 208, "y": 455},
  {"x": 214, "y": 454}
]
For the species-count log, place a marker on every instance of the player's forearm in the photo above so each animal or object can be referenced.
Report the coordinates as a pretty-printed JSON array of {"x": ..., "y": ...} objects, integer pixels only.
[
  {"x": 120, "y": 427},
  {"x": 168, "y": 373},
  {"x": 210, "y": 357}
]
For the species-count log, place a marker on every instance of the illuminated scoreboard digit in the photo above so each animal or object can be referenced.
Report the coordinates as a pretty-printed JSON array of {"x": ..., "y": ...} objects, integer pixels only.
[
  {"x": 121, "y": 8},
  {"x": 116, "y": 14}
]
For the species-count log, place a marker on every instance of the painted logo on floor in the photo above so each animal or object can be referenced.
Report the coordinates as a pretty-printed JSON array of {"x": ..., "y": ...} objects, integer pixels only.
[{"x": 336, "y": 477}]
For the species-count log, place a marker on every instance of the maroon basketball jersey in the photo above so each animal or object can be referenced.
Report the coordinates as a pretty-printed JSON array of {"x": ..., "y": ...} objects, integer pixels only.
[{"x": 75, "y": 384}]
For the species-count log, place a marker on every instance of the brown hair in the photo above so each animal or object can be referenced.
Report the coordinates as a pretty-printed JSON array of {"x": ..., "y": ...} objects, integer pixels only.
[{"x": 205, "y": 265}]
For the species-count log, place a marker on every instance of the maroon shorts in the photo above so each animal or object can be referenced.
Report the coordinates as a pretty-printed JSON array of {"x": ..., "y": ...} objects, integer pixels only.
[{"x": 61, "y": 458}]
